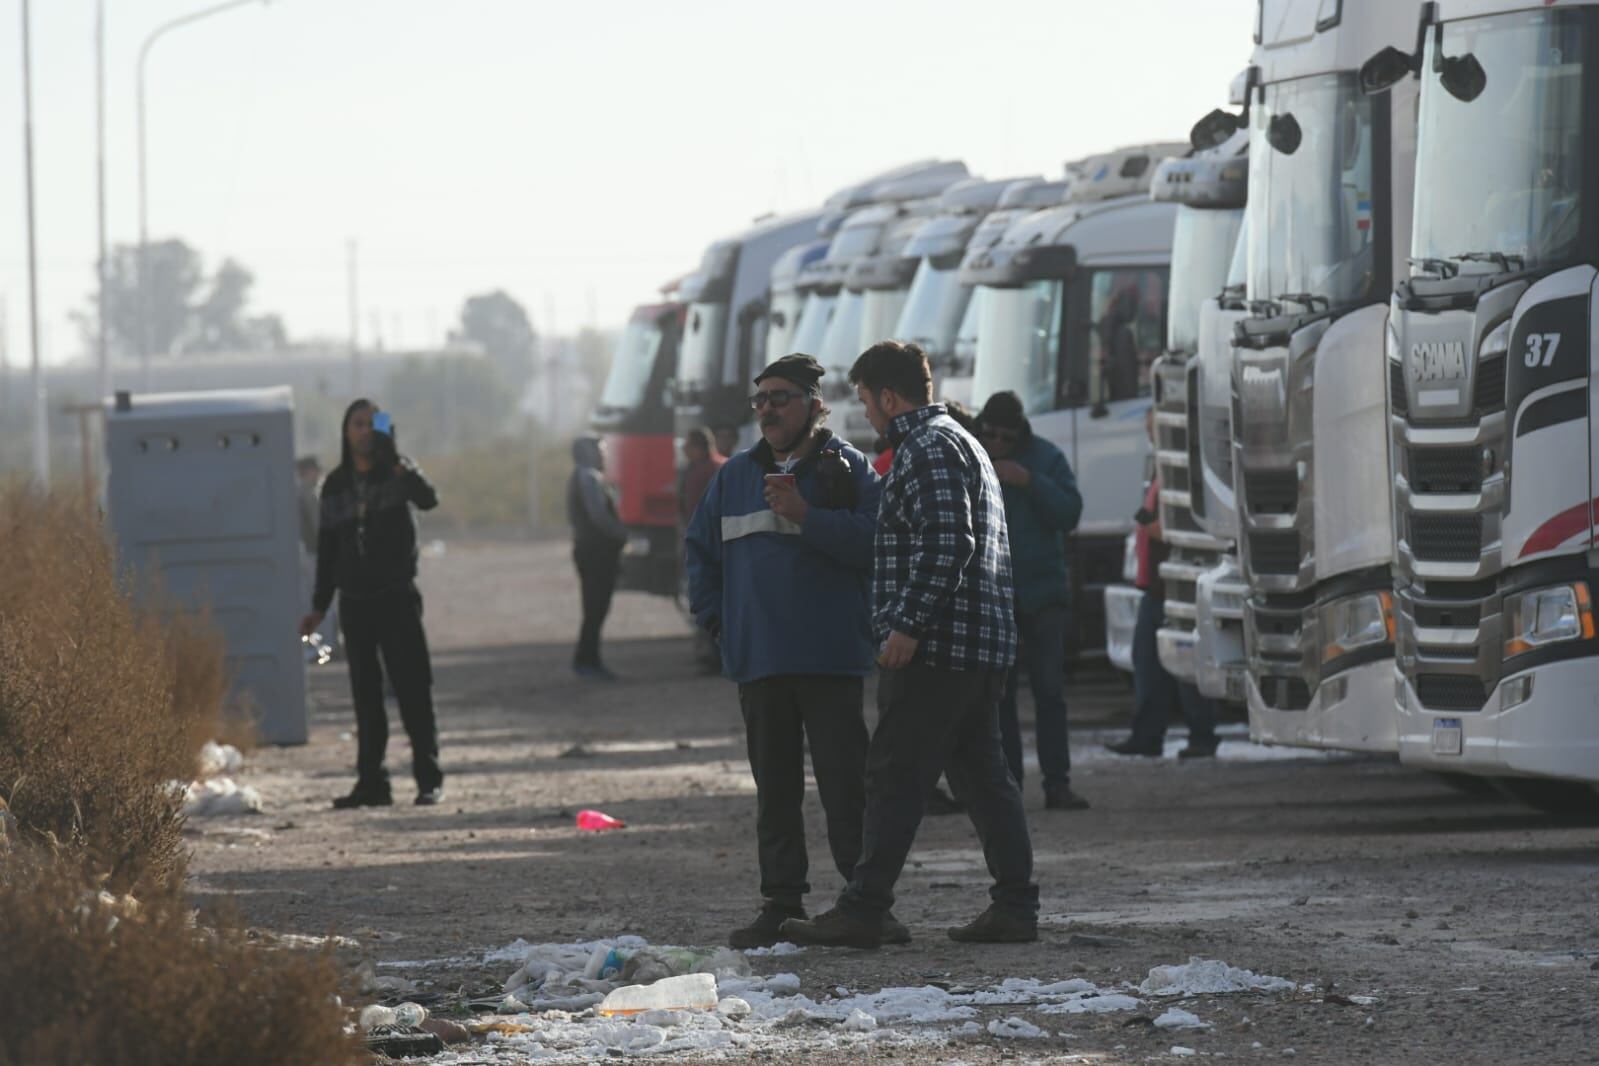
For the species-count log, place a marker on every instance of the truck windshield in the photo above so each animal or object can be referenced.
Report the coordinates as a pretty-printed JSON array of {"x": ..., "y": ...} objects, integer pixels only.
[
  {"x": 704, "y": 332},
  {"x": 933, "y": 309},
  {"x": 879, "y": 316},
  {"x": 815, "y": 316},
  {"x": 1202, "y": 248},
  {"x": 1499, "y": 175},
  {"x": 1310, "y": 193},
  {"x": 1018, "y": 344},
  {"x": 784, "y": 323},
  {"x": 632, "y": 364},
  {"x": 842, "y": 344}
]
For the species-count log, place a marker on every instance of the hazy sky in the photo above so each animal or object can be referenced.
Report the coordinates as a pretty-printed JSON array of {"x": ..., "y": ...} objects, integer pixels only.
[{"x": 574, "y": 154}]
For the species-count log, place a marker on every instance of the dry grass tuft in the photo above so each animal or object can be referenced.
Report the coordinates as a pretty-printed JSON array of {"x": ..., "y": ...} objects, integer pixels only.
[
  {"x": 100, "y": 703},
  {"x": 92, "y": 978}
]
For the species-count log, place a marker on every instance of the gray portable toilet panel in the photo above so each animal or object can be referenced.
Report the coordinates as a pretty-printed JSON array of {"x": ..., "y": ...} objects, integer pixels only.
[{"x": 201, "y": 493}]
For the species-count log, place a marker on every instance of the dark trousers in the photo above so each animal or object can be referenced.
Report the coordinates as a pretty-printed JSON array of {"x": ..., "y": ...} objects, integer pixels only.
[
  {"x": 933, "y": 720},
  {"x": 1156, "y": 693},
  {"x": 1043, "y": 653},
  {"x": 597, "y": 568},
  {"x": 381, "y": 633},
  {"x": 780, "y": 714}
]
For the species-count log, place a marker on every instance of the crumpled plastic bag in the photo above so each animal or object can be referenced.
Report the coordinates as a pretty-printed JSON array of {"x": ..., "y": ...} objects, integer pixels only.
[
  {"x": 218, "y": 759},
  {"x": 220, "y": 795}
]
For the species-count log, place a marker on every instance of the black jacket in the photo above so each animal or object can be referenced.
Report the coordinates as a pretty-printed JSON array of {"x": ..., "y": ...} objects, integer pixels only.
[{"x": 367, "y": 541}]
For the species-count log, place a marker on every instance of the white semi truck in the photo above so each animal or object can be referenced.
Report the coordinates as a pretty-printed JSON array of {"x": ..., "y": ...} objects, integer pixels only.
[
  {"x": 1493, "y": 381},
  {"x": 1073, "y": 309},
  {"x": 788, "y": 294},
  {"x": 1330, "y": 175},
  {"x": 1209, "y": 191}
]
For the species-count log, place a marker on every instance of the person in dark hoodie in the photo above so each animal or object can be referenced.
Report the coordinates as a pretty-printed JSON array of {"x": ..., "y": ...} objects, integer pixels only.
[
  {"x": 367, "y": 552},
  {"x": 1042, "y": 506},
  {"x": 598, "y": 537},
  {"x": 779, "y": 558}
]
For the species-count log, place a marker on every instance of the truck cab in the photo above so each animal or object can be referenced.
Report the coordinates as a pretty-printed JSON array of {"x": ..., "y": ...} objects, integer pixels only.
[
  {"x": 1491, "y": 378},
  {"x": 788, "y": 293},
  {"x": 635, "y": 416},
  {"x": 1329, "y": 200},
  {"x": 1073, "y": 313}
]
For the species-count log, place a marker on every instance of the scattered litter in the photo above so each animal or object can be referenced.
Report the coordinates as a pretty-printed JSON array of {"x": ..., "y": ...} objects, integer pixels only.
[
  {"x": 598, "y": 821},
  {"x": 859, "y": 1022},
  {"x": 1177, "y": 1018},
  {"x": 1183, "y": 1052},
  {"x": 694, "y": 991},
  {"x": 1098, "y": 1004},
  {"x": 1014, "y": 1028},
  {"x": 219, "y": 795},
  {"x": 782, "y": 948},
  {"x": 376, "y": 1015},
  {"x": 1200, "y": 977},
  {"x": 218, "y": 759}
]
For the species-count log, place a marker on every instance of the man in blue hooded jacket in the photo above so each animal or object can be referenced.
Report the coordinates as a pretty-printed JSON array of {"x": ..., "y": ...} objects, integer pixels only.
[
  {"x": 779, "y": 558},
  {"x": 1042, "y": 506}
]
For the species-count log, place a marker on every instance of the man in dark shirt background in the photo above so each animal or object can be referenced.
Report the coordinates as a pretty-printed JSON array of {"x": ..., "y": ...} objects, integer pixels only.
[{"x": 367, "y": 552}]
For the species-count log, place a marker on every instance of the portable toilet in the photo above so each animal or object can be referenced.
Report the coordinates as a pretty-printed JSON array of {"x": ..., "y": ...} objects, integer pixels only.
[{"x": 201, "y": 494}]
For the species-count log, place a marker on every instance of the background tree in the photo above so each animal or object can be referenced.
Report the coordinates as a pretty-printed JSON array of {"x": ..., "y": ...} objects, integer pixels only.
[{"x": 498, "y": 324}]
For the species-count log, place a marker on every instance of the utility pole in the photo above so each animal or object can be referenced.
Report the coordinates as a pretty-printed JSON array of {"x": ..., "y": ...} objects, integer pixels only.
[
  {"x": 103, "y": 349},
  {"x": 41, "y": 414},
  {"x": 355, "y": 320}
]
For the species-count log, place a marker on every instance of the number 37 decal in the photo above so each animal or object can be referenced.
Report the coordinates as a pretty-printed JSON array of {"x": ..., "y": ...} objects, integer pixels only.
[{"x": 1541, "y": 349}]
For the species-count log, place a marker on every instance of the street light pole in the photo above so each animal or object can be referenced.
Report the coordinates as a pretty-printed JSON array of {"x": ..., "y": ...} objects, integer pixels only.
[
  {"x": 102, "y": 349},
  {"x": 144, "y": 229},
  {"x": 41, "y": 425}
]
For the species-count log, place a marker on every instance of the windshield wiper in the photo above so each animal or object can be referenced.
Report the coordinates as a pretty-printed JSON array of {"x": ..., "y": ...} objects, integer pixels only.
[
  {"x": 1500, "y": 259},
  {"x": 1265, "y": 308},
  {"x": 1307, "y": 299},
  {"x": 1442, "y": 267}
]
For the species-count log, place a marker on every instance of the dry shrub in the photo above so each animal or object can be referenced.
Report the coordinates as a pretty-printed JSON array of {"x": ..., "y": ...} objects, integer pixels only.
[
  {"x": 101, "y": 703},
  {"x": 97, "y": 980}
]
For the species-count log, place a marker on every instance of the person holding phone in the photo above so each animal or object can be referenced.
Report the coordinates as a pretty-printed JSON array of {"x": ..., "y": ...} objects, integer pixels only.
[
  {"x": 779, "y": 555},
  {"x": 367, "y": 552}
]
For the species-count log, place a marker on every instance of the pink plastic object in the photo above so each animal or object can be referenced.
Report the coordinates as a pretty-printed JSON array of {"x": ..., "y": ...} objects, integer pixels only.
[{"x": 597, "y": 821}]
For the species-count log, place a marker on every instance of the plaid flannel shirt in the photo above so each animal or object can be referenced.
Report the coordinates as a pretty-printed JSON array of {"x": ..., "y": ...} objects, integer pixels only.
[{"x": 942, "y": 554}]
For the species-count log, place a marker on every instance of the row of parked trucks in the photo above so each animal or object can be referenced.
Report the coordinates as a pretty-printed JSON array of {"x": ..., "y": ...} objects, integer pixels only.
[{"x": 1360, "y": 306}]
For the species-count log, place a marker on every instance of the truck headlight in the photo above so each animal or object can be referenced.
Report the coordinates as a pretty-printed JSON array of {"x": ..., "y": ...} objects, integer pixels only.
[
  {"x": 1356, "y": 622},
  {"x": 1497, "y": 342},
  {"x": 1390, "y": 342},
  {"x": 1547, "y": 616}
]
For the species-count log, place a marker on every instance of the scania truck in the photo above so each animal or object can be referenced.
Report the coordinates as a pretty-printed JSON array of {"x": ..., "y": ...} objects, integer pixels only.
[
  {"x": 1492, "y": 387},
  {"x": 1330, "y": 175},
  {"x": 788, "y": 293},
  {"x": 1073, "y": 312},
  {"x": 1208, "y": 189},
  {"x": 635, "y": 416}
]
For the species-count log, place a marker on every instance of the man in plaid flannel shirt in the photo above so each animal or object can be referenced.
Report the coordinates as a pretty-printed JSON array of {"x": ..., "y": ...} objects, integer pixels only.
[{"x": 943, "y": 616}]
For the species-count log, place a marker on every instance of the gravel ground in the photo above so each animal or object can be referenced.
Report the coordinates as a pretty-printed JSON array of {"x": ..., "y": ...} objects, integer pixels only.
[{"x": 1420, "y": 924}]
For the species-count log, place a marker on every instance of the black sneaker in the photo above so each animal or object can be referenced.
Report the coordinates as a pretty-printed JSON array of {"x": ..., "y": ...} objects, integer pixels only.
[
  {"x": 1062, "y": 798},
  {"x": 766, "y": 929},
  {"x": 894, "y": 930},
  {"x": 1199, "y": 751},
  {"x": 941, "y": 803},
  {"x": 1132, "y": 747},
  {"x": 835, "y": 928},
  {"x": 365, "y": 796},
  {"x": 996, "y": 926},
  {"x": 430, "y": 797}
]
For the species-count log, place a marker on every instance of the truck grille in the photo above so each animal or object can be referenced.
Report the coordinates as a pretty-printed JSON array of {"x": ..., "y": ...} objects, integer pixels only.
[
  {"x": 1174, "y": 478},
  {"x": 1396, "y": 387},
  {"x": 1489, "y": 394},
  {"x": 1182, "y": 591},
  {"x": 1447, "y": 616},
  {"x": 1445, "y": 470},
  {"x": 1271, "y": 491},
  {"x": 1446, "y": 538},
  {"x": 1450, "y": 692},
  {"x": 1285, "y": 693},
  {"x": 1274, "y": 553}
]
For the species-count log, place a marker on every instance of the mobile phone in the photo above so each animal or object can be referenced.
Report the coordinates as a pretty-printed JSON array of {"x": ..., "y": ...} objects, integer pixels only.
[
  {"x": 383, "y": 422},
  {"x": 784, "y": 479}
]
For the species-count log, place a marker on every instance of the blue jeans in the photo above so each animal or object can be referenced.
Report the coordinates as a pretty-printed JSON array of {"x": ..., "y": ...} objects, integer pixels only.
[
  {"x": 1156, "y": 693},
  {"x": 1043, "y": 653}
]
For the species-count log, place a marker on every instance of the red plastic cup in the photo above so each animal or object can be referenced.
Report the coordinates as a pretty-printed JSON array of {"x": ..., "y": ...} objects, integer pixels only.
[{"x": 598, "y": 821}]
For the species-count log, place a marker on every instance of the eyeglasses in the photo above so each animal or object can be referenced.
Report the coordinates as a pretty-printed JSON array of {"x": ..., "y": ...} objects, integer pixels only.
[
  {"x": 775, "y": 398},
  {"x": 1004, "y": 436}
]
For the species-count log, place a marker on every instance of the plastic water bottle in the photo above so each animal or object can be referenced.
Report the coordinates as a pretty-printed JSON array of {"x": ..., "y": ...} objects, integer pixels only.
[
  {"x": 410, "y": 1014},
  {"x": 693, "y": 991},
  {"x": 597, "y": 821}
]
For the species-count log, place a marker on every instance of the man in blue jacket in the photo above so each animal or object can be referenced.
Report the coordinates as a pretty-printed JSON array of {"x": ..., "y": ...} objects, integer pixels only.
[
  {"x": 779, "y": 566},
  {"x": 1042, "y": 506}
]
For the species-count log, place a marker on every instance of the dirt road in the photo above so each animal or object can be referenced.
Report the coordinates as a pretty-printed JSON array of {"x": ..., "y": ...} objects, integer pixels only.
[{"x": 1418, "y": 924}]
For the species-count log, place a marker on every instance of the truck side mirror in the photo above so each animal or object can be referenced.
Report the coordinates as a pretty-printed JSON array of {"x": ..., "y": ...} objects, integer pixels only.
[
  {"x": 1213, "y": 129},
  {"x": 1385, "y": 70},
  {"x": 1283, "y": 133},
  {"x": 1463, "y": 77}
]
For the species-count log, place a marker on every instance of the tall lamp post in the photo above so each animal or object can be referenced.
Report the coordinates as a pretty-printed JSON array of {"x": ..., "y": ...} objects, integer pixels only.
[
  {"x": 41, "y": 425},
  {"x": 144, "y": 232}
]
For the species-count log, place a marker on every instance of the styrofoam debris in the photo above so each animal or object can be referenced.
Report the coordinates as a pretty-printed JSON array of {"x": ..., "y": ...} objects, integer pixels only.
[
  {"x": 1014, "y": 1028},
  {"x": 1200, "y": 977},
  {"x": 220, "y": 795},
  {"x": 1177, "y": 1018},
  {"x": 859, "y": 1021},
  {"x": 218, "y": 759},
  {"x": 1183, "y": 1052},
  {"x": 781, "y": 948},
  {"x": 1108, "y": 1003}
]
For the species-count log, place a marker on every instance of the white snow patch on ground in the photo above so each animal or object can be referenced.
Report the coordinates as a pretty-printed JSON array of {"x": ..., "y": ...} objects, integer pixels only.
[
  {"x": 1177, "y": 1018},
  {"x": 1014, "y": 1028},
  {"x": 1106, "y": 1003},
  {"x": 1201, "y": 977}
]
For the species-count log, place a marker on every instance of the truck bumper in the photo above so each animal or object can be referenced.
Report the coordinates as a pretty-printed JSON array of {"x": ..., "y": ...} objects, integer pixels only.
[
  {"x": 1353, "y": 711},
  {"x": 1554, "y": 734}
]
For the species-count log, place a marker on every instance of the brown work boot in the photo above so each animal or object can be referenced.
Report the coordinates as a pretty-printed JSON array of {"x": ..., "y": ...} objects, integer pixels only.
[
  {"x": 766, "y": 929},
  {"x": 894, "y": 930},
  {"x": 996, "y": 926},
  {"x": 835, "y": 928}
]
